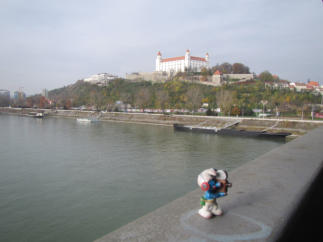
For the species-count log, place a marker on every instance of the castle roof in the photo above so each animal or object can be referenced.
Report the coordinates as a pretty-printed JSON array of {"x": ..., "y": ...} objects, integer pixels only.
[
  {"x": 300, "y": 84},
  {"x": 183, "y": 58},
  {"x": 173, "y": 59},
  {"x": 197, "y": 58}
]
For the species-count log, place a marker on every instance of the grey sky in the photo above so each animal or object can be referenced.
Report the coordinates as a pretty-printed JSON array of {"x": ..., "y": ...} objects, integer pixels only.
[{"x": 49, "y": 44}]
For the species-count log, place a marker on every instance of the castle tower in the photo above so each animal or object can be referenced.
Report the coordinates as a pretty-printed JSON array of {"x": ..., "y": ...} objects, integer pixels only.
[
  {"x": 158, "y": 61},
  {"x": 207, "y": 59},
  {"x": 187, "y": 59}
]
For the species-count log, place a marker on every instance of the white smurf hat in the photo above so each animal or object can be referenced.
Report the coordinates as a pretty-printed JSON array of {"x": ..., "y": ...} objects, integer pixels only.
[
  {"x": 204, "y": 177},
  {"x": 221, "y": 174}
]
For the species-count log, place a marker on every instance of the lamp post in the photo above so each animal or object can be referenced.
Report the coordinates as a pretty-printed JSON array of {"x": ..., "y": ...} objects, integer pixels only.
[
  {"x": 312, "y": 113},
  {"x": 264, "y": 102}
]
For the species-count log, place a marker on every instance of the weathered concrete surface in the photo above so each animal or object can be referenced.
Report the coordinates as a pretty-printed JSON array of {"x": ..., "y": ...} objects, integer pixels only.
[{"x": 265, "y": 193}]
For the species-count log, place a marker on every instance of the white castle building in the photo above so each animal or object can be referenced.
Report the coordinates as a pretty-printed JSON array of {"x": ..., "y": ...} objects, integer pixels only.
[{"x": 181, "y": 63}]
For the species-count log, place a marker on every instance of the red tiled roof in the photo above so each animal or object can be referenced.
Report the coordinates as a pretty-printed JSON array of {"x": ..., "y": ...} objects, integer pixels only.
[
  {"x": 313, "y": 83},
  {"x": 174, "y": 59},
  {"x": 217, "y": 72},
  {"x": 158, "y": 53},
  {"x": 182, "y": 58},
  {"x": 197, "y": 58},
  {"x": 300, "y": 84}
]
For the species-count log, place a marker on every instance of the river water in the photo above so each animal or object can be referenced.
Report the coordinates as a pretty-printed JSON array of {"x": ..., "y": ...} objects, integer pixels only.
[{"x": 65, "y": 181}]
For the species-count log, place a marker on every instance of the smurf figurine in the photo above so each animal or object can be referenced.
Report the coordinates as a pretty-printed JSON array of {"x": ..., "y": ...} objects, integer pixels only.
[{"x": 214, "y": 183}]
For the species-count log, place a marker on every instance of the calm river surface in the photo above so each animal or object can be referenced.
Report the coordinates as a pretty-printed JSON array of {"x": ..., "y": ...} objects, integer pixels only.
[{"x": 64, "y": 181}]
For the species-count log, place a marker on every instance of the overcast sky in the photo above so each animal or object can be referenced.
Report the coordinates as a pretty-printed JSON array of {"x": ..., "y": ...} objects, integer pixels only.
[{"x": 52, "y": 43}]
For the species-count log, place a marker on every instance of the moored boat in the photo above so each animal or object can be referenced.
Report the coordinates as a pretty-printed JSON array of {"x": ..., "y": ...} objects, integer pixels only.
[
  {"x": 83, "y": 120},
  {"x": 39, "y": 115},
  {"x": 230, "y": 131},
  {"x": 36, "y": 114},
  {"x": 198, "y": 129},
  {"x": 87, "y": 120},
  {"x": 249, "y": 133}
]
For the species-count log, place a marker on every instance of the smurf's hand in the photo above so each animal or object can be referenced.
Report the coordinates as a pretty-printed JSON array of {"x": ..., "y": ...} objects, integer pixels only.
[
  {"x": 222, "y": 194},
  {"x": 218, "y": 184},
  {"x": 211, "y": 195},
  {"x": 214, "y": 184}
]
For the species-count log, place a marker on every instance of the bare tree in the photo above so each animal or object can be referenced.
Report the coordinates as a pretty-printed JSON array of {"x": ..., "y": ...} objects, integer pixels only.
[
  {"x": 143, "y": 98},
  {"x": 162, "y": 99},
  {"x": 225, "y": 99},
  {"x": 194, "y": 98},
  {"x": 238, "y": 68},
  {"x": 126, "y": 97}
]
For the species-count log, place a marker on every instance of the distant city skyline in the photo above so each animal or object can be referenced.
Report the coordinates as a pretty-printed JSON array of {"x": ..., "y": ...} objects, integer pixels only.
[{"x": 49, "y": 44}]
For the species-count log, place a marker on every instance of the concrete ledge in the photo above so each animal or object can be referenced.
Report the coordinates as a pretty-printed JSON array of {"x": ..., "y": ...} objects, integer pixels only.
[{"x": 265, "y": 194}]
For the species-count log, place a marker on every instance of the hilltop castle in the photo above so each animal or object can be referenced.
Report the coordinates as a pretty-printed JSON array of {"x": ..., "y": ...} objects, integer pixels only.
[
  {"x": 168, "y": 67},
  {"x": 181, "y": 63}
]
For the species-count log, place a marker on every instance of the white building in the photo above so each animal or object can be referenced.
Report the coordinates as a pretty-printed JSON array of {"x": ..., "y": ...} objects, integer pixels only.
[
  {"x": 100, "y": 79},
  {"x": 181, "y": 63},
  {"x": 44, "y": 93},
  {"x": 298, "y": 86}
]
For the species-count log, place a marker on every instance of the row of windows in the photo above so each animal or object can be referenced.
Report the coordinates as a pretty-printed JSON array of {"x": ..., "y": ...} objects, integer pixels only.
[
  {"x": 180, "y": 65},
  {"x": 201, "y": 63}
]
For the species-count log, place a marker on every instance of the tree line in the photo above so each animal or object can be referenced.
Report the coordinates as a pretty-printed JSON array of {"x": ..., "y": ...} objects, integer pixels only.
[
  {"x": 174, "y": 94},
  {"x": 183, "y": 91}
]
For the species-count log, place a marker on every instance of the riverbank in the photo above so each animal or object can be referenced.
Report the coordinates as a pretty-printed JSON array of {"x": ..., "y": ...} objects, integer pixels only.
[{"x": 294, "y": 126}]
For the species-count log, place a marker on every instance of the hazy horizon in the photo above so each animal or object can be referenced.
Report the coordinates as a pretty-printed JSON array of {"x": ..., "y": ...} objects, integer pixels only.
[{"x": 51, "y": 44}]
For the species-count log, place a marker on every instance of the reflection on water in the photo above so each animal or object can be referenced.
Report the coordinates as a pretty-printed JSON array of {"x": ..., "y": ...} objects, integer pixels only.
[{"x": 64, "y": 181}]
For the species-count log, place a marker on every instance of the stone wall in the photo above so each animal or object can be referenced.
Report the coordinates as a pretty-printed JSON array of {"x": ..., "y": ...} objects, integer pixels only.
[
  {"x": 241, "y": 77},
  {"x": 148, "y": 76}
]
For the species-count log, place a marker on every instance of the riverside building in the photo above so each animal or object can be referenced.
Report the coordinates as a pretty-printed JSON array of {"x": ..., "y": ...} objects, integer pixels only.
[
  {"x": 4, "y": 98},
  {"x": 181, "y": 63}
]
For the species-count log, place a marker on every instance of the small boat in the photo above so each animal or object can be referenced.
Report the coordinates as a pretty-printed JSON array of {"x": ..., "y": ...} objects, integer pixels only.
[
  {"x": 87, "y": 120},
  {"x": 36, "y": 114},
  {"x": 39, "y": 115},
  {"x": 83, "y": 120}
]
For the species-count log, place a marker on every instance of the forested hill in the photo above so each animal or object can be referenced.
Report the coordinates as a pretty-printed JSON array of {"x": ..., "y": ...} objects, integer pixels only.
[{"x": 232, "y": 99}]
